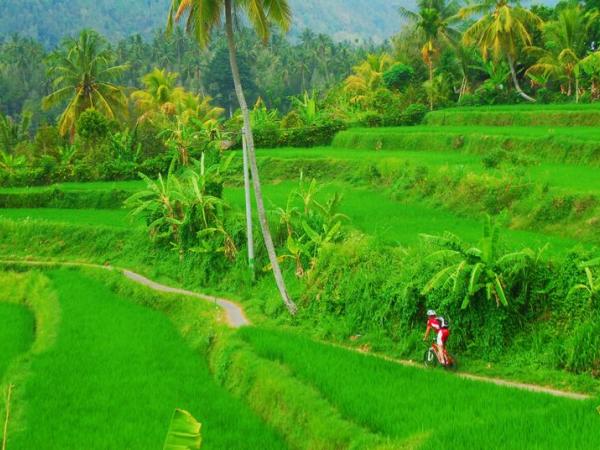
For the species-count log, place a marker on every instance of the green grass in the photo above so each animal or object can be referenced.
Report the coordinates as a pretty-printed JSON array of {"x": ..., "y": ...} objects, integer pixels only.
[
  {"x": 570, "y": 177},
  {"x": 570, "y": 133},
  {"x": 578, "y": 145},
  {"x": 522, "y": 115},
  {"x": 86, "y": 217},
  {"x": 114, "y": 376},
  {"x": 431, "y": 409},
  {"x": 433, "y": 157},
  {"x": 370, "y": 212},
  {"x": 132, "y": 185},
  {"x": 528, "y": 107},
  {"x": 398, "y": 222},
  {"x": 16, "y": 333}
]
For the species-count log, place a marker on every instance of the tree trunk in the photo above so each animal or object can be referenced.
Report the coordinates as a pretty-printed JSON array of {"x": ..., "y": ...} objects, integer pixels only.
[
  {"x": 430, "y": 63},
  {"x": 247, "y": 195},
  {"x": 262, "y": 216},
  {"x": 515, "y": 79}
]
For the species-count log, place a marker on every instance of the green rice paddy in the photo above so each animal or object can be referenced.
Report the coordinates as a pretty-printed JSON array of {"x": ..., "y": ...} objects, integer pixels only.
[
  {"x": 430, "y": 409},
  {"x": 16, "y": 333},
  {"x": 114, "y": 376},
  {"x": 402, "y": 223}
]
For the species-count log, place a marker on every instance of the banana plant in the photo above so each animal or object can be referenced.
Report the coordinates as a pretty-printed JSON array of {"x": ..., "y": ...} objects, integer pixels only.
[
  {"x": 124, "y": 146},
  {"x": 297, "y": 251},
  {"x": 216, "y": 240},
  {"x": 287, "y": 215},
  {"x": 475, "y": 269},
  {"x": 591, "y": 287},
  {"x": 184, "y": 432},
  {"x": 162, "y": 202},
  {"x": 307, "y": 193}
]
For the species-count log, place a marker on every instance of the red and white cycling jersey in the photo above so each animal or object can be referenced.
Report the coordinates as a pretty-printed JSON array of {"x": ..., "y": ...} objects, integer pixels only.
[
  {"x": 433, "y": 323},
  {"x": 442, "y": 333}
]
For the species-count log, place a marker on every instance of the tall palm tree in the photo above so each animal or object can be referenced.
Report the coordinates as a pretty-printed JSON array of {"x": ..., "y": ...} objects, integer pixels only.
[
  {"x": 434, "y": 20},
  {"x": 566, "y": 44},
  {"x": 203, "y": 16},
  {"x": 503, "y": 28},
  {"x": 83, "y": 72}
]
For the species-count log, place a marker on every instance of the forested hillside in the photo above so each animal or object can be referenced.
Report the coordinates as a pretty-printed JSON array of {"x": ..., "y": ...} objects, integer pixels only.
[{"x": 47, "y": 20}]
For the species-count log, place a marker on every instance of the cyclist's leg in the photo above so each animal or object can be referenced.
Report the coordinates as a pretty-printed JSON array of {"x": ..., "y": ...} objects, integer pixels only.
[
  {"x": 445, "y": 333},
  {"x": 440, "y": 347}
]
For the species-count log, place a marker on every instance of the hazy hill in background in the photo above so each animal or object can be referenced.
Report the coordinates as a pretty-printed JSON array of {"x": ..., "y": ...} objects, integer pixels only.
[{"x": 50, "y": 20}]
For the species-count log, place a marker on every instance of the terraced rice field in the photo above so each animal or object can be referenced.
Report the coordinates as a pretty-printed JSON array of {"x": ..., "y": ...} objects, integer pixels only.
[
  {"x": 114, "y": 376},
  {"x": 16, "y": 333},
  {"x": 431, "y": 409}
]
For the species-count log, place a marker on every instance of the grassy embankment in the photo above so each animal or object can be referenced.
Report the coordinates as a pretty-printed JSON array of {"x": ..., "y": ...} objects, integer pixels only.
[{"x": 113, "y": 375}]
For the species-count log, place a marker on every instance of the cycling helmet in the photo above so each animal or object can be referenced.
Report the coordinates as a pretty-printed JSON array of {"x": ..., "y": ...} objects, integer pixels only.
[{"x": 431, "y": 312}]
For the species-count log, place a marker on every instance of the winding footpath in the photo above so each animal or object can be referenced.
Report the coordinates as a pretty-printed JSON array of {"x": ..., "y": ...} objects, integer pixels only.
[
  {"x": 234, "y": 314},
  {"x": 236, "y": 318}
]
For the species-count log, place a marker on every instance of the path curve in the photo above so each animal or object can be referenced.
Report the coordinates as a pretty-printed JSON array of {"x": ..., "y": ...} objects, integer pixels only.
[
  {"x": 234, "y": 313},
  {"x": 236, "y": 318}
]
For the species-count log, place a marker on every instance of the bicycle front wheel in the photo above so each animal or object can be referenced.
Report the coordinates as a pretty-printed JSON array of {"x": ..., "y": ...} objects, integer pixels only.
[{"x": 430, "y": 358}]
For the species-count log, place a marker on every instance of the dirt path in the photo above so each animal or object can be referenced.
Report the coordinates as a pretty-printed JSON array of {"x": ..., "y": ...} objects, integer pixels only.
[
  {"x": 236, "y": 318},
  {"x": 234, "y": 313},
  {"x": 469, "y": 376}
]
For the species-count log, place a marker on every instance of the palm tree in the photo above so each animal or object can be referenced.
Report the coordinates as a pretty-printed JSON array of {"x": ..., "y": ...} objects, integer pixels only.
[
  {"x": 501, "y": 29},
  {"x": 434, "y": 20},
  {"x": 367, "y": 77},
  {"x": 160, "y": 94},
  {"x": 567, "y": 43},
  {"x": 203, "y": 16},
  {"x": 13, "y": 132},
  {"x": 83, "y": 72}
]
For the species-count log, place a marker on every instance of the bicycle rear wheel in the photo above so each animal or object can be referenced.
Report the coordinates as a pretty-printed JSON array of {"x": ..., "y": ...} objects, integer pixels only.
[{"x": 452, "y": 365}]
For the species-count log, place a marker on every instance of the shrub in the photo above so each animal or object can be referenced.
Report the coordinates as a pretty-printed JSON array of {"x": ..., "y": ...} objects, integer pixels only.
[
  {"x": 322, "y": 134},
  {"x": 471, "y": 100},
  {"x": 383, "y": 100},
  {"x": 415, "y": 113},
  {"x": 147, "y": 134},
  {"x": 371, "y": 119},
  {"x": 266, "y": 135},
  {"x": 291, "y": 120},
  {"x": 47, "y": 141},
  {"x": 92, "y": 125},
  {"x": 398, "y": 76},
  {"x": 492, "y": 160}
]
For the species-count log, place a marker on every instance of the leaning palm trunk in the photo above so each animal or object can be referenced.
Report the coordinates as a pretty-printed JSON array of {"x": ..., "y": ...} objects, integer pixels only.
[
  {"x": 515, "y": 79},
  {"x": 262, "y": 217}
]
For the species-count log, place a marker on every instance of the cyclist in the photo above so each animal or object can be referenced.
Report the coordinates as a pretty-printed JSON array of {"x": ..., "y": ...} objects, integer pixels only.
[{"x": 439, "y": 326}]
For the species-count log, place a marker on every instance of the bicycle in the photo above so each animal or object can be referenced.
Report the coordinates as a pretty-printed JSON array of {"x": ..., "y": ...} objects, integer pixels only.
[{"x": 430, "y": 358}]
